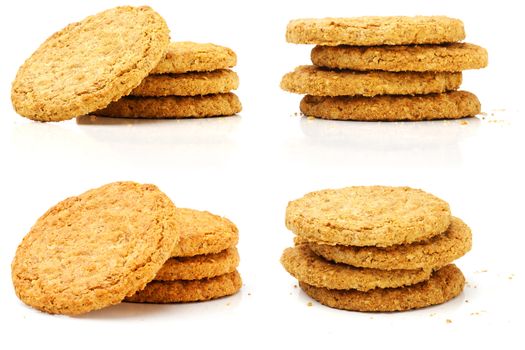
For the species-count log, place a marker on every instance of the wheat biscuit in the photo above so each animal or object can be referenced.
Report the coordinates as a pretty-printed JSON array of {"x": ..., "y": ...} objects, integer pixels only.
[
  {"x": 188, "y": 84},
  {"x": 432, "y": 253},
  {"x": 186, "y": 56},
  {"x": 368, "y": 216},
  {"x": 446, "y": 105},
  {"x": 444, "y": 285},
  {"x": 163, "y": 292},
  {"x": 199, "y": 266},
  {"x": 213, "y": 105},
  {"x": 204, "y": 233},
  {"x": 308, "y": 267},
  {"x": 454, "y": 57},
  {"x": 82, "y": 68},
  {"x": 91, "y": 251},
  {"x": 318, "y": 81},
  {"x": 375, "y": 30}
]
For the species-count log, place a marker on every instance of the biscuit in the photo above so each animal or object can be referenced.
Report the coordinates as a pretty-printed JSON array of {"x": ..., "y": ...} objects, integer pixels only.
[
  {"x": 91, "y": 251},
  {"x": 432, "y": 253},
  {"x": 318, "y": 81},
  {"x": 306, "y": 266},
  {"x": 82, "y": 68},
  {"x": 173, "y": 106},
  {"x": 371, "y": 31},
  {"x": 454, "y": 57},
  {"x": 203, "y": 233},
  {"x": 186, "y": 56},
  {"x": 447, "y": 105},
  {"x": 199, "y": 266},
  {"x": 368, "y": 216},
  {"x": 444, "y": 285},
  {"x": 163, "y": 292},
  {"x": 188, "y": 84}
]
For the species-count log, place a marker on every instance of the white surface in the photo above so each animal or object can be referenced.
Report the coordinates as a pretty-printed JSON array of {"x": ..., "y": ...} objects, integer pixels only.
[{"x": 248, "y": 167}]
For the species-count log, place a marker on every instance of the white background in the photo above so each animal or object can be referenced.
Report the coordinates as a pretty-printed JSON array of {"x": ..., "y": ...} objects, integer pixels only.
[{"x": 248, "y": 167}]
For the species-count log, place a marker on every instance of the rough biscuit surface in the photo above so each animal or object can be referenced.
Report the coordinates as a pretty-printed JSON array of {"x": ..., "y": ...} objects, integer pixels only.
[
  {"x": 91, "y": 251},
  {"x": 83, "y": 67},
  {"x": 444, "y": 285},
  {"x": 447, "y": 105},
  {"x": 162, "y": 292},
  {"x": 454, "y": 57},
  {"x": 187, "y": 56},
  {"x": 306, "y": 266},
  {"x": 203, "y": 233},
  {"x": 374, "y": 30},
  {"x": 188, "y": 84},
  {"x": 432, "y": 253},
  {"x": 318, "y": 81},
  {"x": 199, "y": 266},
  {"x": 213, "y": 105},
  {"x": 368, "y": 216}
]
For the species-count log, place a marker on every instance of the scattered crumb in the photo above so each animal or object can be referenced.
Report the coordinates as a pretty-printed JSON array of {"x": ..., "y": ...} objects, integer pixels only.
[
  {"x": 466, "y": 300},
  {"x": 449, "y": 320},
  {"x": 310, "y": 304},
  {"x": 249, "y": 293},
  {"x": 477, "y": 313},
  {"x": 481, "y": 271},
  {"x": 511, "y": 276},
  {"x": 295, "y": 285},
  {"x": 310, "y": 118},
  {"x": 371, "y": 317},
  {"x": 228, "y": 304},
  {"x": 464, "y": 122},
  {"x": 432, "y": 314},
  {"x": 483, "y": 113}
]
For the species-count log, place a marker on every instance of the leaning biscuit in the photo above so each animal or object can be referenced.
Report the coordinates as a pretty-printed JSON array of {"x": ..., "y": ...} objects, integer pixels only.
[
  {"x": 375, "y": 30},
  {"x": 447, "y": 105},
  {"x": 91, "y": 251},
  {"x": 188, "y": 84},
  {"x": 368, "y": 216},
  {"x": 444, "y": 285},
  {"x": 163, "y": 292},
  {"x": 82, "y": 68},
  {"x": 187, "y": 56},
  {"x": 173, "y": 106},
  {"x": 318, "y": 81},
  {"x": 454, "y": 57}
]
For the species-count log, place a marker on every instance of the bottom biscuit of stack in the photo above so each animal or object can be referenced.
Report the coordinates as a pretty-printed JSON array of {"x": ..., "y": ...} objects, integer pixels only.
[{"x": 203, "y": 265}]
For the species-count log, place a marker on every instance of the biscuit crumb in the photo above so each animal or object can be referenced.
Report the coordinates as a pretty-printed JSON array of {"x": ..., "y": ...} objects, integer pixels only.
[
  {"x": 249, "y": 293},
  {"x": 449, "y": 320},
  {"x": 464, "y": 122},
  {"x": 466, "y": 301},
  {"x": 432, "y": 314},
  {"x": 310, "y": 304},
  {"x": 295, "y": 285},
  {"x": 511, "y": 276},
  {"x": 228, "y": 304}
]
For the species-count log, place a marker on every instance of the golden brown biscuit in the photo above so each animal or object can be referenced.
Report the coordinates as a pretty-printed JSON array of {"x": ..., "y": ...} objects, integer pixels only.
[
  {"x": 375, "y": 30},
  {"x": 199, "y": 266},
  {"x": 91, "y": 251},
  {"x": 432, "y": 253},
  {"x": 82, "y": 68},
  {"x": 444, "y": 285},
  {"x": 188, "y": 84},
  {"x": 310, "y": 268},
  {"x": 368, "y": 216},
  {"x": 187, "y": 56},
  {"x": 454, "y": 57},
  {"x": 173, "y": 106},
  {"x": 203, "y": 233},
  {"x": 447, "y": 105},
  {"x": 163, "y": 292},
  {"x": 317, "y": 81}
]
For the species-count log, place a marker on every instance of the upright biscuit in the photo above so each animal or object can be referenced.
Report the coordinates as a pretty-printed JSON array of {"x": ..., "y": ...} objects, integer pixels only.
[
  {"x": 199, "y": 266},
  {"x": 371, "y": 31},
  {"x": 317, "y": 81},
  {"x": 204, "y": 233},
  {"x": 432, "y": 253},
  {"x": 82, "y": 68},
  {"x": 444, "y": 285},
  {"x": 188, "y": 84},
  {"x": 454, "y": 57},
  {"x": 173, "y": 106},
  {"x": 368, "y": 216},
  {"x": 186, "y": 56},
  {"x": 162, "y": 292},
  {"x": 447, "y": 105},
  {"x": 308, "y": 267},
  {"x": 91, "y": 251}
]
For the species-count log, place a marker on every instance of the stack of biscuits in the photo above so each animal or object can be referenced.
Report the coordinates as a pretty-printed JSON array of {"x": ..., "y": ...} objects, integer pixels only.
[
  {"x": 193, "y": 80},
  {"x": 376, "y": 248},
  {"x": 384, "y": 68},
  {"x": 203, "y": 264},
  {"x": 124, "y": 241}
]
